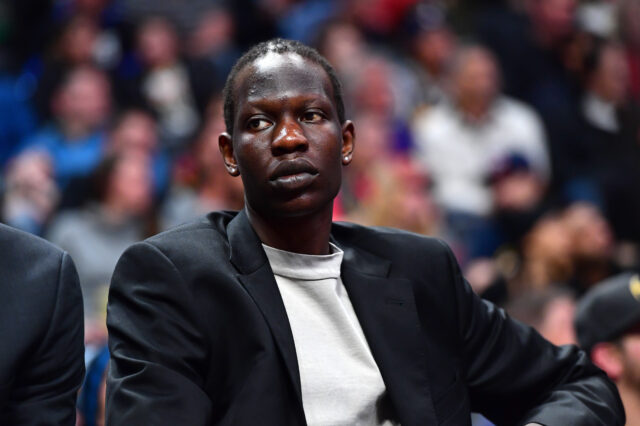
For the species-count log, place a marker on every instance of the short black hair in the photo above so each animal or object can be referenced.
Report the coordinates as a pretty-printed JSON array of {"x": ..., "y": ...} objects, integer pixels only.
[{"x": 279, "y": 46}]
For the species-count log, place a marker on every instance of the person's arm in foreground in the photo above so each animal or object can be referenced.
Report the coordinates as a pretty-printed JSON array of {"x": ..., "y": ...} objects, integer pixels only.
[
  {"x": 154, "y": 343},
  {"x": 45, "y": 389},
  {"x": 512, "y": 370}
]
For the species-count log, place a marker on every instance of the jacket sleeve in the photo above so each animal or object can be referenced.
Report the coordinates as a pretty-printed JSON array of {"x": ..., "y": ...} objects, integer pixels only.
[
  {"x": 157, "y": 350},
  {"x": 517, "y": 377},
  {"x": 52, "y": 374}
]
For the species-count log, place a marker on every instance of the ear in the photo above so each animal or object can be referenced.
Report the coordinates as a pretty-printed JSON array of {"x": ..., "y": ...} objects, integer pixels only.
[
  {"x": 225, "y": 143},
  {"x": 607, "y": 357},
  {"x": 348, "y": 141}
]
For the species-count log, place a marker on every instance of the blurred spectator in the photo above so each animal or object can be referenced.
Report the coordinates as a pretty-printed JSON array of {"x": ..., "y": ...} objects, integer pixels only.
[
  {"x": 550, "y": 311},
  {"x": 608, "y": 153},
  {"x": 460, "y": 141},
  {"x": 136, "y": 131},
  {"x": 607, "y": 324},
  {"x": 359, "y": 183},
  {"x": 401, "y": 200},
  {"x": 432, "y": 44},
  {"x": 591, "y": 245},
  {"x": 377, "y": 92},
  {"x": 30, "y": 192},
  {"x": 174, "y": 88},
  {"x": 74, "y": 47},
  {"x": 97, "y": 234},
  {"x": 543, "y": 259},
  {"x": 519, "y": 200},
  {"x": 344, "y": 46},
  {"x": 213, "y": 41},
  {"x": 203, "y": 183},
  {"x": 75, "y": 138},
  {"x": 629, "y": 26},
  {"x": 531, "y": 44}
]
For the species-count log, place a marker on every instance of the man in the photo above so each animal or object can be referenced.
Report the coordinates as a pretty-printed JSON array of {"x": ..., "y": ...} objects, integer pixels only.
[
  {"x": 608, "y": 327},
  {"x": 41, "y": 332},
  {"x": 277, "y": 316}
]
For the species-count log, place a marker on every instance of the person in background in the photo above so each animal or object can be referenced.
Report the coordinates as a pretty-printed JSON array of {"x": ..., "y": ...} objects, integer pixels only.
[
  {"x": 200, "y": 181},
  {"x": 460, "y": 141},
  {"x": 97, "y": 234},
  {"x": 176, "y": 89},
  {"x": 550, "y": 311},
  {"x": 608, "y": 152},
  {"x": 76, "y": 137},
  {"x": 607, "y": 322},
  {"x": 432, "y": 44},
  {"x": 30, "y": 194},
  {"x": 136, "y": 131}
]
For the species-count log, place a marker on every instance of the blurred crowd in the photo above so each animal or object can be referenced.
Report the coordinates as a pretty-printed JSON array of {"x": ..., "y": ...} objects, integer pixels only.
[{"x": 510, "y": 129}]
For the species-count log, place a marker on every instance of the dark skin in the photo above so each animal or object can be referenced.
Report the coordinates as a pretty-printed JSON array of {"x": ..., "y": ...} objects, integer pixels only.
[{"x": 289, "y": 146}]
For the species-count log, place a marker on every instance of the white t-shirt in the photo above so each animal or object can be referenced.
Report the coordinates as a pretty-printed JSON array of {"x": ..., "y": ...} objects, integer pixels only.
[{"x": 341, "y": 383}]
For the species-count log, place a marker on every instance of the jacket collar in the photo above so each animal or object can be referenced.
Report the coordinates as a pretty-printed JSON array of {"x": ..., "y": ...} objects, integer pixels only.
[{"x": 384, "y": 305}]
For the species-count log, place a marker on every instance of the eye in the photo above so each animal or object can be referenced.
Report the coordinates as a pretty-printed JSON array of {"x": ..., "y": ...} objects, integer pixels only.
[
  {"x": 312, "y": 117},
  {"x": 259, "y": 124}
]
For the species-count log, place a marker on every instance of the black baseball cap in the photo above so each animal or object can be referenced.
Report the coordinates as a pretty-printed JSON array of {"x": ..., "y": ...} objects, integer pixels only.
[{"x": 608, "y": 310}]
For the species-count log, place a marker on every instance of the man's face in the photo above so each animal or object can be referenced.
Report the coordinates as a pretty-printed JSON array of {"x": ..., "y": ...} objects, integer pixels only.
[{"x": 288, "y": 144}]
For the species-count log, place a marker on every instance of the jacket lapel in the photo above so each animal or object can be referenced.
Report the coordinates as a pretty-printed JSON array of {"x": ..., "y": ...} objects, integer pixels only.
[
  {"x": 386, "y": 310},
  {"x": 257, "y": 277}
]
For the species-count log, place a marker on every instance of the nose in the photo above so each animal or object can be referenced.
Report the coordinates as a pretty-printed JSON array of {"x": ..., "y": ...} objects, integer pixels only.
[{"x": 289, "y": 137}]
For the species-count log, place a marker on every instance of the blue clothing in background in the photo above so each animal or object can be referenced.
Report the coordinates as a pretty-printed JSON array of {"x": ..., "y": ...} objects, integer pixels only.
[{"x": 71, "y": 158}]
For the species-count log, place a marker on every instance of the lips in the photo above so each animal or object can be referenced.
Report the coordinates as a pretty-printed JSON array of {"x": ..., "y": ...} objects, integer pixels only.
[{"x": 293, "y": 174}]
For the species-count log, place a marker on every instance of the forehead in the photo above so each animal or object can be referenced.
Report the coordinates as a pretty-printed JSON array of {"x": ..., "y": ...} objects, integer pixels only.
[{"x": 278, "y": 76}]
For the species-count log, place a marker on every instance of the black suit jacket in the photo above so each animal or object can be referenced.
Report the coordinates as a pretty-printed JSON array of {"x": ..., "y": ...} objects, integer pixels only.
[
  {"x": 41, "y": 332},
  {"x": 199, "y": 335}
]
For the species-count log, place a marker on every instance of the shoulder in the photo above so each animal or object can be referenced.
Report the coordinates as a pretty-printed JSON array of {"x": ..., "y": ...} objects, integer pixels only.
[
  {"x": 391, "y": 243},
  {"x": 516, "y": 110},
  {"x": 200, "y": 243},
  {"x": 21, "y": 248}
]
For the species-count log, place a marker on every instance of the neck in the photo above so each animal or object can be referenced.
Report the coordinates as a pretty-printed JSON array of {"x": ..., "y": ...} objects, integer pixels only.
[
  {"x": 631, "y": 401},
  {"x": 307, "y": 234}
]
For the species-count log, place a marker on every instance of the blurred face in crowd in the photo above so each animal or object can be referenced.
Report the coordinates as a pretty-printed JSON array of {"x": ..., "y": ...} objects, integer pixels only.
[
  {"x": 475, "y": 81},
  {"x": 130, "y": 186},
  {"x": 621, "y": 359},
  {"x": 609, "y": 80},
  {"x": 84, "y": 100},
  {"x": 288, "y": 143},
  {"x": 557, "y": 323},
  {"x": 373, "y": 90},
  {"x": 136, "y": 131},
  {"x": 78, "y": 40},
  {"x": 553, "y": 19},
  {"x": 591, "y": 236},
  {"x": 434, "y": 49},
  {"x": 158, "y": 43},
  {"x": 343, "y": 46},
  {"x": 214, "y": 31}
]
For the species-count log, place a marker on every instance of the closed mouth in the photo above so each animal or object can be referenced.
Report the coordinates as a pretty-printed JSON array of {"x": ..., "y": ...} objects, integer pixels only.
[{"x": 290, "y": 168}]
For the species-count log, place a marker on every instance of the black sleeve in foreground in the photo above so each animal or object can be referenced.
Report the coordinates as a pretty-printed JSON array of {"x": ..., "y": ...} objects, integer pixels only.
[
  {"x": 156, "y": 346},
  {"x": 517, "y": 377},
  {"x": 52, "y": 375}
]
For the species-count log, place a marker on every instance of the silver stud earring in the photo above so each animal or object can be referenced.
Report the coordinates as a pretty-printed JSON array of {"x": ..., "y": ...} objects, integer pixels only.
[{"x": 232, "y": 169}]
